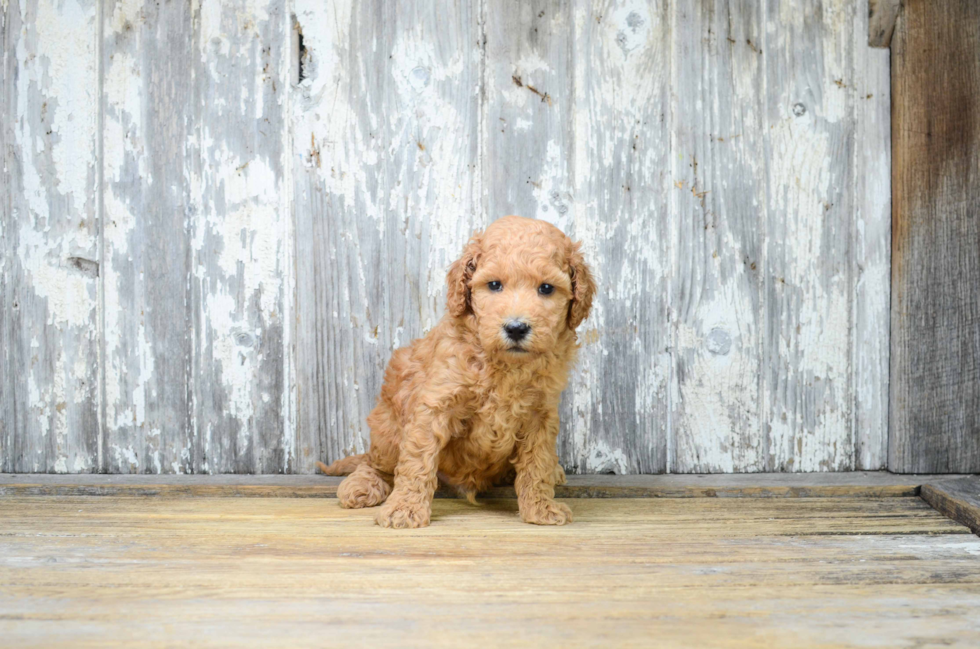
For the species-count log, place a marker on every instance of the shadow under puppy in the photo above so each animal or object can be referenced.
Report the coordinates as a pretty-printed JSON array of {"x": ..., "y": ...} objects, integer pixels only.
[{"x": 476, "y": 400}]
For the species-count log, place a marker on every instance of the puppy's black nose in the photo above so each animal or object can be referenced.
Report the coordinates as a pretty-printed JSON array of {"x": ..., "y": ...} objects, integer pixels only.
[{"x": 517, "y": 331}]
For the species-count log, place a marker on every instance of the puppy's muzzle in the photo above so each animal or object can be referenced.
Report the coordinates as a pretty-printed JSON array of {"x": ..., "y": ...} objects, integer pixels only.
[{"x": 517, "y": 330}]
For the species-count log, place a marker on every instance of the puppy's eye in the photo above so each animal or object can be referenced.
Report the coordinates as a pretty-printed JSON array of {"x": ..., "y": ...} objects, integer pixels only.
[
  {"x": 546, "y": 289},
  {"x": 495, "y": 286}
]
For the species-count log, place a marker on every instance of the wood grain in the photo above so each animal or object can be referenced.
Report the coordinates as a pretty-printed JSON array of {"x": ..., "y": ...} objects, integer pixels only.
[
  {"x": 616, "y": 415},
  {"x": 780, "y": 162},
  {"x": 855, "y": 484},
  {"x": 718, "y": 199},
  {"x": 195, "y": 237},
  {"x": 809, "y": 153},
  {"x": 49, "y": 236},
  {"x": 871, "y": 241},
  {"x": 284, "y": 184},
  {"x": 338, "y": 170},
  {"x": 935, "y": 307},
  {"x": 959, "y": 499},
  {"x": 6, "y": 222},
  {"x": 149, "y": 212},
  {"x": 241, "y": 239},
  {"x": 882, "y": 15},
  {"x": 830, "y": 572}
]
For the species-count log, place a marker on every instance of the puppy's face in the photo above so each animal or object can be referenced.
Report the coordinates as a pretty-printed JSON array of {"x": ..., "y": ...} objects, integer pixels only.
[{"x": 525, "y": 283}]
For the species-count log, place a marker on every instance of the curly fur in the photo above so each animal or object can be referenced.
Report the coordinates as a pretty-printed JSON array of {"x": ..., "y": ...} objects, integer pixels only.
[{"x": 468, "y": 405}]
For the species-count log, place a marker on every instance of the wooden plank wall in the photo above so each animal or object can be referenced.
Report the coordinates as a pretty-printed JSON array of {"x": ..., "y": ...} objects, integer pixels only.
[
  {"x": 935, "y": 310},
  {"x": 263, "y": 197}
]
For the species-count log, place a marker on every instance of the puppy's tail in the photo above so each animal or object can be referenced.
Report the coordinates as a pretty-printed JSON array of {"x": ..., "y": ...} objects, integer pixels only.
[{"x": 343, "y": 466}]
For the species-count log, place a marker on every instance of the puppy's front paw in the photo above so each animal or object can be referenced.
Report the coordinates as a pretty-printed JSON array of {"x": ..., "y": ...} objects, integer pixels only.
[
  {"x": 546, "y": 512},
  {"x": 401, "y": 513}
]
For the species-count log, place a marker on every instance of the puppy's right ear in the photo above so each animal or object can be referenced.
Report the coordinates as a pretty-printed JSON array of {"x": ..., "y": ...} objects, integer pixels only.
[{"x": 458, "y": 278}]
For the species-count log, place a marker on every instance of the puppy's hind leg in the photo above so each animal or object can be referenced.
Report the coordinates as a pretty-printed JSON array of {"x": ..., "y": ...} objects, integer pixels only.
[{"x": 365, "y": 487}]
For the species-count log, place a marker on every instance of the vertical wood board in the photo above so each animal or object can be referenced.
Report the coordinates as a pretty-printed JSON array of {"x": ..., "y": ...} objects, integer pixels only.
[
  {"x": 718, "y": 197},
  {"x": 935, "y": 308},
  {"x": 620, "y": 123},
  {"x": 338, "y": 171},
  {"x": 196, "y": 237},
  {"x": 807, "y": 262},
  {"x": 148, "y": 103},
  {"x": 871, "y": 237},
  {"x": 49, "y": 347}
]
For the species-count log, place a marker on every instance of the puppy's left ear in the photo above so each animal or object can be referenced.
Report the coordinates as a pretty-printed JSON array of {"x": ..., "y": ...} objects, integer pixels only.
[
  {"x": 583, "y": 287},
  {"x": 458, "y": 278}
]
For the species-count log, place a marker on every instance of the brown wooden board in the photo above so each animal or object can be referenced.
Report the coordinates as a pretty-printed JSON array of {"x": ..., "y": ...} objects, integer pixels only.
[
  {"x": 881, "y": 21},
  {"x": 935, "y": 312},
  {"x": 959, "y": 499}
]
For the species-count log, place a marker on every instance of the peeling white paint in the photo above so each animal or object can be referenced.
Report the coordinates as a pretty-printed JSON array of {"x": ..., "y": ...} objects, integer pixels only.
[
  {"x": 385, "y": 141},
  {"x": 51, "y": 234},
  {"x": 68, "y": 28}
]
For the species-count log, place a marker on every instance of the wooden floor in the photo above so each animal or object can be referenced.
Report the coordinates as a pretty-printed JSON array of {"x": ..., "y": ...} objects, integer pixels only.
[{"x": 685, "y": 572}]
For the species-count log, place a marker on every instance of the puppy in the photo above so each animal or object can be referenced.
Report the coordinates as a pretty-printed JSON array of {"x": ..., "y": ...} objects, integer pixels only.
[{"x": 476, "y": 400}]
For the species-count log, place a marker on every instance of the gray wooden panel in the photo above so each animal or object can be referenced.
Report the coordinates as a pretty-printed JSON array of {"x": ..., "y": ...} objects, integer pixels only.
[
  {"x": 935, "y": 310},
  {"x": 148, "y": 97},
  {"x": 338, "y": 166},
  {"x": 6, "y": 223},
  {"x": 528, "y": 90},
  {"x": 617, "y": 415},
  {"x": 195, "y": 237},
  {"x": 49, "y": 235},
  {"x": 718, "y": 197},
  {"x": 431, "y": 116},
  {"x": 387, "y": 192},
  {"x": 268, "y": 244},
  {"x": 240, "y": 238},
  {"x": 871, "y": 237},
  {"x": 808, "y": 269}
]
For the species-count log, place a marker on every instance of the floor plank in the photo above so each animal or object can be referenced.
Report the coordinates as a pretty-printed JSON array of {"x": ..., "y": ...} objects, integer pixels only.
[
  {"x": 959, "y": 499},
  {"x": 858, "y": 484},
  {"x": 302, "y": 572}
]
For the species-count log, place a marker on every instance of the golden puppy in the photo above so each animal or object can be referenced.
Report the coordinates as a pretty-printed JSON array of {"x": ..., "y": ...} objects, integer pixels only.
[{"x": 476, "y": 400}]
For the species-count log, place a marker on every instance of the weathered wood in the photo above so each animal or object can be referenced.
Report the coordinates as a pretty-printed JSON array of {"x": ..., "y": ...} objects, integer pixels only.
[
  {"x": 763, "y": 161},
  {"x": 387, "y": 192},
  {"x": 267, "y": 244},
  {"x": 959, "y": 499},
  {"x": 871, "y": 241},
  {"x": 608, "y": 188},
  {"x": 241, "y": 239},
  {"x": 195, "y": 237},
  {"x": 718, "y": 201},
  {"x": 753, "y": 485},
  {"x": 882, "y": 15},
  {"x": 935, "y": 308},
  {"x": 430, "y": 114},
  {"x": 6, "y": 223},
  {"x": 49, "y": 237},
  {"x": 148, "y": 98},
  {"x": 809, "y": 153},
  {"x": 697, "y": 572},
  {"x": 338, "y": 167}
]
